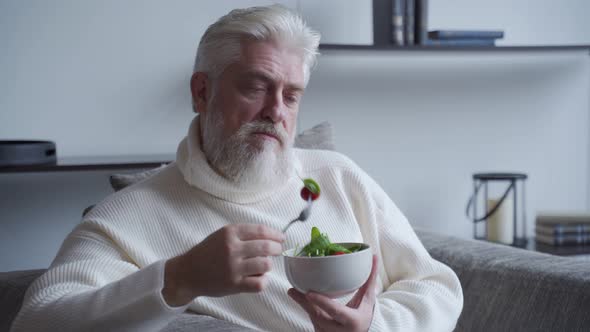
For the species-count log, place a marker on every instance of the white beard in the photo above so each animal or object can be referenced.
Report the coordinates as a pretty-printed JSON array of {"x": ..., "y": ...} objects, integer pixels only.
[{"x": 244, "y": 162}]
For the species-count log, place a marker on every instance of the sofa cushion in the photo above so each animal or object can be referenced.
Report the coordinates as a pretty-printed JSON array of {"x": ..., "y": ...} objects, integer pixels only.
[
  {"x": 13, "y": 286},
  {"x": 511, "y": 289}
]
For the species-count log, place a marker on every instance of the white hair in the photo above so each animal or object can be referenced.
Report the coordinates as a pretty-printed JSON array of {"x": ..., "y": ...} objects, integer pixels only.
[{"x": 220, "y": 46}]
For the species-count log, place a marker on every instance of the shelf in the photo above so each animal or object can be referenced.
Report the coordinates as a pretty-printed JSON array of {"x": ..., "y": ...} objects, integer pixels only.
[
  {"x": 425, "y": 48},
  {"x": 94, "y": 164}
]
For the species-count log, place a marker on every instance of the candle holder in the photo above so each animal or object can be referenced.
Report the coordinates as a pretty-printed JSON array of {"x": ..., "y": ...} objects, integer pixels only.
[{"x": 501, "y": 222}]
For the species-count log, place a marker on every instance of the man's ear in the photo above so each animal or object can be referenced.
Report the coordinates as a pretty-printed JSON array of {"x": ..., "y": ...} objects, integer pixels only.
[{"x": 200, "y": 91}]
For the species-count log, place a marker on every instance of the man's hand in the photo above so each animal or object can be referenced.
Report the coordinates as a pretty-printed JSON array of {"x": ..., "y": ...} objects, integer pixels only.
[
  {"x": 232, "y": 260},
  {"x": 328, "y": 315}
]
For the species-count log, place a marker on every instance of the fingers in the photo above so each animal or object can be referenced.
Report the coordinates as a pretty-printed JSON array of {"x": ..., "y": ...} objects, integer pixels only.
[
  {"x": 256, "y": 248},
  {"x": 246, "y": 232},
  {"x": 370, "y": 284},
  {"x": 339, "y": 312},
  {"x": 358, "y": 297},
  {"x": 253, "y": 271},
  {"x": 314, "y": 312},
  {"x": 253, "y": 284},
  {"x": 319, "y": 318},
  {"x": 255, "y": 266}
]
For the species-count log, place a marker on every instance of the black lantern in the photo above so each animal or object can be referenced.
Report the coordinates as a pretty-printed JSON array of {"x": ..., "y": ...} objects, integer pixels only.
[{"x": 504, "y": 220}]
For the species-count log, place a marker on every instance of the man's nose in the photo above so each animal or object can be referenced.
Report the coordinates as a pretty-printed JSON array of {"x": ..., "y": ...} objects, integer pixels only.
[{"x": 274, "y": 108}]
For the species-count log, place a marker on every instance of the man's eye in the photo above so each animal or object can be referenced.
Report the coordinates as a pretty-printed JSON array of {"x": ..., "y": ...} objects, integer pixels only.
[
  {"x": 256, "y": 88},
  {"x": 291, "y": 99}
]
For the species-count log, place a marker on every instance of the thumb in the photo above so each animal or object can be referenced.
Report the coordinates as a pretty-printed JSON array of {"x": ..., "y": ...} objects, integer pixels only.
[
  {"x": 371, "y": 293},
  {"x": 368, "y": 286}
]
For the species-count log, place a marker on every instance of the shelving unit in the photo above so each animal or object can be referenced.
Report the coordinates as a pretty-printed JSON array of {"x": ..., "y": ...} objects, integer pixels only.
[
  {"x": 382, "y": 38},
  {"x": 94, "y": 164},
  {"x": 421, "y": 48}
]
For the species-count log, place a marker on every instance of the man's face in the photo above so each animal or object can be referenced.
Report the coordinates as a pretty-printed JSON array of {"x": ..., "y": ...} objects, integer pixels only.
[
  {"x": 251, "y": 118},
  {"x": 265, "y": 85}
]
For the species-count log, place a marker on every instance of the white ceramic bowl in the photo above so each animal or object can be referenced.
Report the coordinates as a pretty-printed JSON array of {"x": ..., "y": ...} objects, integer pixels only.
[{"x": 333, "y": 276}]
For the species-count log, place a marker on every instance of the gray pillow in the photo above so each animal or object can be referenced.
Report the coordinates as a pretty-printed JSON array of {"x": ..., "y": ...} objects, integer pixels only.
[
  {"x": 319, "y": 137},
  {"x": 120, "y": 181}
]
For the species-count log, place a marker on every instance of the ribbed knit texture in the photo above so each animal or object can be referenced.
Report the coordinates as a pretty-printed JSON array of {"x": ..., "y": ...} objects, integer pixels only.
[{"x": 108, "y": 274}]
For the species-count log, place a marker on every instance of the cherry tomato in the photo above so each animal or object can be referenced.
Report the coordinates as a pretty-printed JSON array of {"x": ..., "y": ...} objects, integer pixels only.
[{"x": 305, "y": 194}]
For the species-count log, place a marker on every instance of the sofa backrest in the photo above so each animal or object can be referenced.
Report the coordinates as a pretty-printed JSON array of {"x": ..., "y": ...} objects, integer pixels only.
[
  {"x": 511, "y": 289},
  {"x": 505, "y": 289},
  {"x": 13, "y": 286}
]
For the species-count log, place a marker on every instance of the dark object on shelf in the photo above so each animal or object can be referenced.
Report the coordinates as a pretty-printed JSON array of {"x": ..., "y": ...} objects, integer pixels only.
[
  {"x": 461, "y": 42},
  {"x": 17, "y": 153},
  {"x": 453, "y": 48},
  {"x": 557, "y": 219},
  {"x": 560, "y": 250},
  {"x": 409, "y": 26},
  {"x": 563, "y": 239},
  {"x": 514, "y": 234},
  {"x": 398, "y": 11},
  {"x": 562, "y": 229},
  {"x": 421, "y": 22},
  {"x": 466, "y": 34}
]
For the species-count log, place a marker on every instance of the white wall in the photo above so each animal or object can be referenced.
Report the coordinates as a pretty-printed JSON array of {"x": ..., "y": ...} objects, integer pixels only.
[
  {"x": 525, "y": 22},
  {"x": 423, "y": 123},
  {"x": 37, "y": 211},
  {"x": 74, "y": 71},
  {"x": 111, "y": 77}
]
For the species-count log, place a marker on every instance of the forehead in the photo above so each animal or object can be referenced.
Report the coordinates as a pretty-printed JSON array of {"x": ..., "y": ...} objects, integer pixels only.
[{"x": 273, "y": 60}]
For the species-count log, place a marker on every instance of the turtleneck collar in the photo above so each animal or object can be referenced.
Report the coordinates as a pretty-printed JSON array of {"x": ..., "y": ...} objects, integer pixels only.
[{"x": 197, "y": 172}]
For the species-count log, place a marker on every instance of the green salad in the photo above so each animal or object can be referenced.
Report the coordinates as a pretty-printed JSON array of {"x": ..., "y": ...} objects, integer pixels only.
[{"x": 320, "y": 245}]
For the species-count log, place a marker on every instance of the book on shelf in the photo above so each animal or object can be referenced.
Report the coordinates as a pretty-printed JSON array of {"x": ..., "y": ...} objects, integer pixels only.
[
  {"x": 409, "y": 22},
  {"x": 465, "y": 34},
  {"x": 460, "y": 42},
  {"x": 562, "y": 250},
  {"x": 397, "y": 21},
  {"x": 564, "y": 239},
  {"x": 557, "y": 229},
  {"x": 420, "y": 22},
  {"x": 562, "y": 219}
]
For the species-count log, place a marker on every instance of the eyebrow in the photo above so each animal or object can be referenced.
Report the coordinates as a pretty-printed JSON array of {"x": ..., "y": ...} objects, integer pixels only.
[{"x": 258, "y": 75}]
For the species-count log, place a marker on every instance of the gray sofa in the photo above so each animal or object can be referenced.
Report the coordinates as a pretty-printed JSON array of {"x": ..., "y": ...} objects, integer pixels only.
[{"x": 505, "y": 289}]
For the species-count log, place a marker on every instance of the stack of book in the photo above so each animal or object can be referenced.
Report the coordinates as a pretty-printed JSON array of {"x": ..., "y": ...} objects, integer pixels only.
[
  {"x": 563, "y": 233},
  {"x": 409, "y": 22},
  {"x": 409, "y": 26}
]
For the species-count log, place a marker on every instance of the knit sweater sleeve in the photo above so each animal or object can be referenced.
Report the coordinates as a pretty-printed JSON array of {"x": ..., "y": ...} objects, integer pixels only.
[
  {"x": 420, "y": 293},
  {"x": 424, "y": 294},
  {"x": 92, "y": 285}
]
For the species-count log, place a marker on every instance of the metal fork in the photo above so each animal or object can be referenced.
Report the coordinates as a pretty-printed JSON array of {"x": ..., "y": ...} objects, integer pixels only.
[{"x": 303, "y": 216}]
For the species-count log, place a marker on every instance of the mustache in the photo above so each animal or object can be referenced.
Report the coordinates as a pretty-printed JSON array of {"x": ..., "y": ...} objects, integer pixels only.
[{"x": 264, "y": 127}]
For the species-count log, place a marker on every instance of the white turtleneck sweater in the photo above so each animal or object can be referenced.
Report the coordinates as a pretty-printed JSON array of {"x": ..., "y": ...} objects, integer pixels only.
[{"x": 109, "y": 273}]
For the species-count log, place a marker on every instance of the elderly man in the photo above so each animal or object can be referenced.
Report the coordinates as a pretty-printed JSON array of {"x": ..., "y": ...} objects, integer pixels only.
[{"x": 203, "y": 234}]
